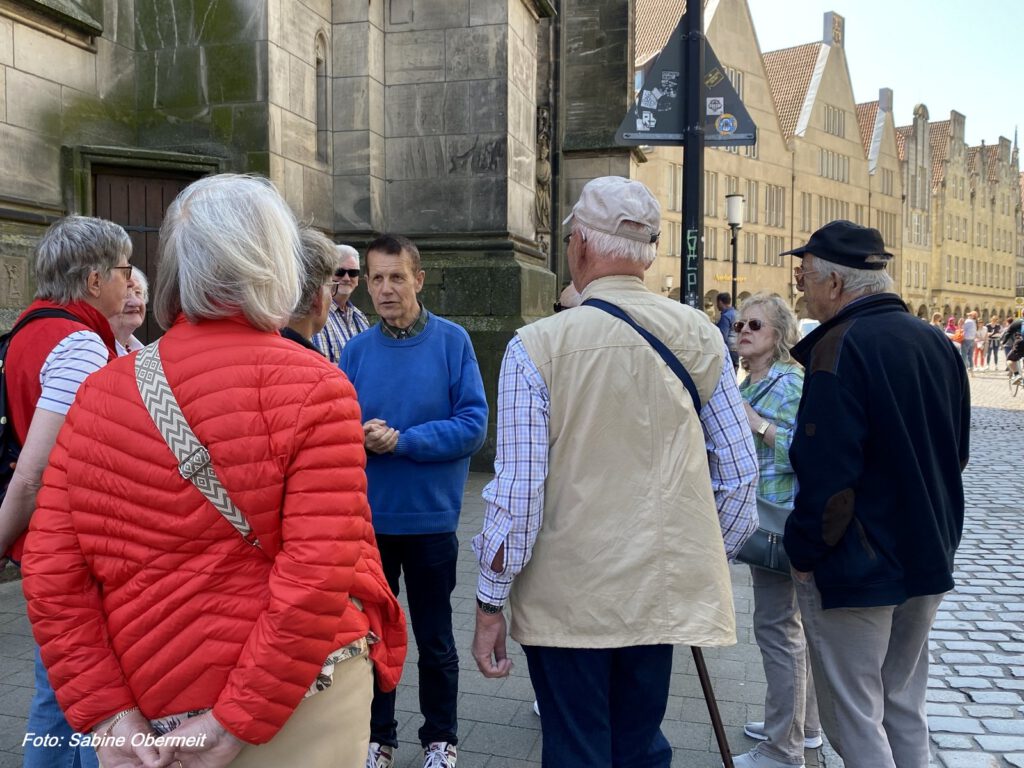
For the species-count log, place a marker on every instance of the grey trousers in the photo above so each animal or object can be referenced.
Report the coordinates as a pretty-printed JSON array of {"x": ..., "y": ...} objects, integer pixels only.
[
  {"x": 790, "y": 705},
  {"x": 871, "y": 672}
]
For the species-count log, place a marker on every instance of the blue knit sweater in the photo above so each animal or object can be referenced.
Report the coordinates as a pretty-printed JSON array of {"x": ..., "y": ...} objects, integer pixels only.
[{"x": 428, "y": 387}]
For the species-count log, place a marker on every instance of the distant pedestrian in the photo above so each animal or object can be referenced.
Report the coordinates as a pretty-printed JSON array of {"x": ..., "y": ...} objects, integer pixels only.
[
  {"x": 970, "y": 329},
  {"x": 726, "y": 318},
  {"x": 880, "y": 506},
  {"x": 345, "y": 319}
]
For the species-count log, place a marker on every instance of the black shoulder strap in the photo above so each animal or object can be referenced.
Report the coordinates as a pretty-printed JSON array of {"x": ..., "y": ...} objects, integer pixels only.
[
  {"x": 38, "y": 314},
  {"x": 671, "y": 360}
]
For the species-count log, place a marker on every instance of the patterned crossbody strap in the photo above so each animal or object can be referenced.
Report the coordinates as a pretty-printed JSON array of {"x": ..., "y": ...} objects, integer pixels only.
[{"x": 194, "y": 461}]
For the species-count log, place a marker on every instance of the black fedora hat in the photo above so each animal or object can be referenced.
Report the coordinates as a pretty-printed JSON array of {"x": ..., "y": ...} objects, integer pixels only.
[{"x": 851, "y": 245}]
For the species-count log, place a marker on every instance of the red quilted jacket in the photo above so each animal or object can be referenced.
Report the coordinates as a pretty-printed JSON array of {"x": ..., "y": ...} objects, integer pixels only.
[{"x": 140, "y": 592}]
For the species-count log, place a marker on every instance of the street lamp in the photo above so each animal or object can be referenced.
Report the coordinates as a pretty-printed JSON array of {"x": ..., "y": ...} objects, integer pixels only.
[{"x": 734, "y": 215}]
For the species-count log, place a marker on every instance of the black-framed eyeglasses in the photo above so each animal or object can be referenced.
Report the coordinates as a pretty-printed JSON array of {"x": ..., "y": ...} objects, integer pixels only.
[
  {"x": 127, "y": 271},
  {"x": 755, "y": 325},
  {"x": 353, "y": 273}
]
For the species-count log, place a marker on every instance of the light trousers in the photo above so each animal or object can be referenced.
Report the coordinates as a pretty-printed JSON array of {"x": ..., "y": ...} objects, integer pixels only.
[
  {"x": 871, "y": 673},
  {"x": 790, "y": 704}
]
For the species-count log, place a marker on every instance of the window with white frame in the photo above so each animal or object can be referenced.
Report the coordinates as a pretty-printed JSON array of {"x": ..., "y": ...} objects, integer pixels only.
[{"x": 835, "y": 120}]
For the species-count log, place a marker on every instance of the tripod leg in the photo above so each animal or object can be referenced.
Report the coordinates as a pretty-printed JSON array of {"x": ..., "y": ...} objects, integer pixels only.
[{"x": 709, "y": 699}]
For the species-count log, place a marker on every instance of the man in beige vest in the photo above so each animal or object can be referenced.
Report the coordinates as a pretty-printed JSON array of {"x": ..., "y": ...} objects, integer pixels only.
[{"x": 618, "y": 498}]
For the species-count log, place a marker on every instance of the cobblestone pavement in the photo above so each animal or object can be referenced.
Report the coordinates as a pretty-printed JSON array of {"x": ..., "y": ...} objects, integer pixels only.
[{"x": 976, "y": 696}]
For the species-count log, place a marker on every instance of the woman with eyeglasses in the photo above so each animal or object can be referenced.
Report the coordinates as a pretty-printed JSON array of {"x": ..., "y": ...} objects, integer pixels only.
[
  {"x": 201, "y": 572},
  {"x": 766, "y": 330}
]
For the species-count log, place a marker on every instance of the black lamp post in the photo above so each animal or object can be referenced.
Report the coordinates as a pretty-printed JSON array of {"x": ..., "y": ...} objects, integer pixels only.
[{"x": 734, "y": 215}]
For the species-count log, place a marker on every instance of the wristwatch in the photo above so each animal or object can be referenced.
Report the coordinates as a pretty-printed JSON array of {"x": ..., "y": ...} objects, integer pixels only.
[
  {"x": 763, "y": 427},
  {"x": 487, "y": 608}
]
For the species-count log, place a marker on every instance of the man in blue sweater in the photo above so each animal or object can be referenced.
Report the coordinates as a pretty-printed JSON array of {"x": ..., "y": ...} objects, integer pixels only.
[
  {"x": 881, "y": 439},
  {"x": 424, "y": 414}
]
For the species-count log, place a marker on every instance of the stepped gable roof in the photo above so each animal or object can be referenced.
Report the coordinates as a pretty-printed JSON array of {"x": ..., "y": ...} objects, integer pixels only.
[
  {"x": 655, "y": 21},
  {"x": 866, "y": 115},
  {"x": 990, "y": 164},
  {"x": 790, "y": 71},
  {"x": 973, "y": 166},
  {"x": 902, "y": 132},
  {"x": 939, "y": 138}
]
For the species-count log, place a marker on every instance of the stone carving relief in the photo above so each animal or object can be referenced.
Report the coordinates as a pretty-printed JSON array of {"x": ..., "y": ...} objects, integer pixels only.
[
  {"x": 14, "y": 283},
  {"x": 488, "y": 158},
  {"x": 542, "y": 199}
]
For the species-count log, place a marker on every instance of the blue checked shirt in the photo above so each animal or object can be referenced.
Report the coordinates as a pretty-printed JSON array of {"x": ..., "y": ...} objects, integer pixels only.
[
  {"x": 342, "y": 325},
  {"x": 515, "y": 497}
]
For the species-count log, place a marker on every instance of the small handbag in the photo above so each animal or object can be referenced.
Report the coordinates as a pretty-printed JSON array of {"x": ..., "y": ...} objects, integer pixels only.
[{"x": 764, "y": 548}]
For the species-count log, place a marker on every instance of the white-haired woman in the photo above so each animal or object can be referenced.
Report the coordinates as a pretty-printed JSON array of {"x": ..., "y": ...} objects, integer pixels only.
[
  {"x": 766, "y": 329},
  {"x": 155, "y": 611},
  {"x": 125, "y": 323}
]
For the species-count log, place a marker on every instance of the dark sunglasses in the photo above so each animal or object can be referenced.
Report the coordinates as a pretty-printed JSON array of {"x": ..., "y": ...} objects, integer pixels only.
[
  {"x": 755, "y": 325},
  {"x": 353, "y": 273}
]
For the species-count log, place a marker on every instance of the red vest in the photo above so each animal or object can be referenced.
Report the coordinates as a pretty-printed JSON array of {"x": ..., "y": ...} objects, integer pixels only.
[{"x": 27, "y": 353}]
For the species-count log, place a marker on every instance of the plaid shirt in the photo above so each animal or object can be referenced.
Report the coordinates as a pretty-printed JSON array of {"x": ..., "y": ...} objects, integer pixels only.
[
  {"x": 515, "y": 497},
  {"x": 776, "y": 398},
  {"x": 342, "y": 325}
]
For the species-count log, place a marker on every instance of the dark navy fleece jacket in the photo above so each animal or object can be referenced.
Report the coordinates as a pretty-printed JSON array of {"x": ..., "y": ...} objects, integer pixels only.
[{"x": 879, "y": 447}]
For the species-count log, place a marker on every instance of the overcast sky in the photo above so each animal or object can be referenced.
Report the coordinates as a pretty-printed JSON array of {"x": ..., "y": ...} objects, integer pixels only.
[{"x": 946, "y": 54}]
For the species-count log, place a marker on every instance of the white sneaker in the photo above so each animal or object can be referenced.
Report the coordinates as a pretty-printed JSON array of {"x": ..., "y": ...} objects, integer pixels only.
[
  {"x": 380, "y": 756},
  {"x": 755, "y": 730},
  {"x": 754, "y": 759},
  {"x": 440, "y": 754}
]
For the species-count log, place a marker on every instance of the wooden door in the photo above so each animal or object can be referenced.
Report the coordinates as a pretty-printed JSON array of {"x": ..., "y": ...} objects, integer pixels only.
[{"x": 137, "y": 200}]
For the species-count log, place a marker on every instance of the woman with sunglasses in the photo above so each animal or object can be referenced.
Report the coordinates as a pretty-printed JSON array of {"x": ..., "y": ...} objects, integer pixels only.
[{"x": 765, "y": 330}]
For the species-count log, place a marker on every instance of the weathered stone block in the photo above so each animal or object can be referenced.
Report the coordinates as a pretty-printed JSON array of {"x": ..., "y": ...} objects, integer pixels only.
[
  {"x": 6, "y": 42},
  {"x": 316, "y": 199},
  {"x": 478, "y": 205},
  {"x": 351, "y": 103},
  {"x": 173, "y": 78},
  {"x": 277, "y": 69},
  {"x": 3, "y": 94},
  {"x": 415, "y": 158},
  {"x": 237, "y": 72},
  {"x": 29, "y": 166},
  {"x": 376, "y": 106},
  {"x": 479, "y": 155},
  {"x": 258, "y": 162},
  {"x": 115, "y": 67},
  {"x": 351, "y": 49},
  {"x": 298, "y": 137},
  {"x": 522, "y": 165},
  {"x": 14, "y": 278},
  {"x": 483, "y": 12},
  {"x": 414, "y": 110},
  {"x": 297, "y": 28},
  {"x": 418, "y": 207},
  {"x": 408, "y": 15},
  {"x": 415, "y": 57},
  {"x": 351, "y": 152},
  {"x": 250, "y": 127},
  {"x": 475, "y": 106},
  {"x": 52, "y": 59},
  {"x": 33, "y": 103},
  {"x": 349, "y": 12},
  {"x": 523, "y": 66},
  {"x": 293, "y": 190},
  {"x": 352, "y": 207},
  {"x": 119, "y": 22},
  {"x": 522, "y": 117},
  {"x": 321, "y": 8},
  {"x": 302, "y": 88},
  {"x": 475, "y": 53}
]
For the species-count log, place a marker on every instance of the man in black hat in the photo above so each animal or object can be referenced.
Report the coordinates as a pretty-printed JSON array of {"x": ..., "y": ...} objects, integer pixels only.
[{"x": 880, "y": 442}]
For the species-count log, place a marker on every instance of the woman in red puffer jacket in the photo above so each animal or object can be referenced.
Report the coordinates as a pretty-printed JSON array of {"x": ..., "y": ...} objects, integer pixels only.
[{"x": 153, "y": 614}]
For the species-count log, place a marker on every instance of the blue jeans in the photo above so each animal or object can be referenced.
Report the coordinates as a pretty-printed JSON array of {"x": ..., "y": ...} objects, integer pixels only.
[
  {"x": 429, "y": 561},
  {"x": 602, "y": 707},
  {"x": 45, "y": 718},
  {"x": 967, "y": 353}
]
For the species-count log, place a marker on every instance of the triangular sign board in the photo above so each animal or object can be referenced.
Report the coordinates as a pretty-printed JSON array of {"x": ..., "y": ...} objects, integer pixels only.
[{"x": 658, "y": 116}]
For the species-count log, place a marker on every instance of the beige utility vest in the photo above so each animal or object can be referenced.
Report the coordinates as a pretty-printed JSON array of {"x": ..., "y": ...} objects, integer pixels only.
[{"x": 630, "y": 551}]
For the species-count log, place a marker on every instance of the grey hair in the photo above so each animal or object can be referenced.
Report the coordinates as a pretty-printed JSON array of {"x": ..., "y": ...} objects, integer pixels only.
[
  {"x": 615, "y": 247},
  {"x": 347, "y": 251},
  {"x": 860, "y": 282},
  {"x": 781, "y": 319},
  {"x": 140, "y": 280},
  {"x": 70, "y": 250},
  {"x": 319, "y": 259},
  {"x": 229, "y": 244}
]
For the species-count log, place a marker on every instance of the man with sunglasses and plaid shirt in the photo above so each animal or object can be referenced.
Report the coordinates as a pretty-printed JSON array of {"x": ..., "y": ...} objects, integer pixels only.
[{"x": 344, "y": 320}]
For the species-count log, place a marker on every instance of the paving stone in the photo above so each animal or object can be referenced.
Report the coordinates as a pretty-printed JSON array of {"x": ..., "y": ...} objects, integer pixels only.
[
  {"x": 988, "y": 710},
  {"x": 954, "y": 725},
  {"x": 1013, "y": 727},
  {"x": 1016, "y": 760},
  {"x": 995, "y": 697},
  {"x": 952, "y": 741},
  {"x": 968, "y": 760},
  {"x": 999, "y": 744}
]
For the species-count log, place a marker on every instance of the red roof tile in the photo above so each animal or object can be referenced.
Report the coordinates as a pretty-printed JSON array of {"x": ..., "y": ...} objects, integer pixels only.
[
  {"x": 866, "y": 114},
  {"x": 901, "y": 140},
  {"x": 939, "y": 139},
  {"x": 789, "y": 75},
  {"x": 655, "y": 21}
]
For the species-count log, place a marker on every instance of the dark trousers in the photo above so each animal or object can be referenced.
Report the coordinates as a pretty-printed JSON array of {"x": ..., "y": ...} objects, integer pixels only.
[
  {"x": 602, "y": 707},
  {"x": 428, "y": 561},
  {"x": 993, "y": 351}
]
